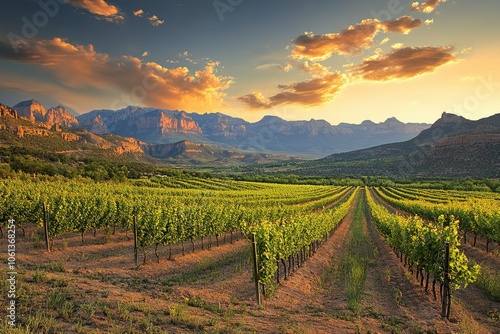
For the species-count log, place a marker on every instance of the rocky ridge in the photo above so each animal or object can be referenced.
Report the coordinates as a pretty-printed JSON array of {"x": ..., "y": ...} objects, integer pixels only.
[
  {"x": 315, "y": 138},
  {"x": 34, "y": 111}
]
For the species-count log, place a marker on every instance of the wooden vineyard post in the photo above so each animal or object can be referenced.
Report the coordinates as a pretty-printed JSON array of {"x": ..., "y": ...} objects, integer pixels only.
[
  {"x": 135, "y": 241},
  {"x": 256, "y": 270},
  {"x": 446, "y": 300},
  {"x": 46, "y": 227}
]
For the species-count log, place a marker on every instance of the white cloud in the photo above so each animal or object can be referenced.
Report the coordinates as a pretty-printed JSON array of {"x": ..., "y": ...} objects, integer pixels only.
[{"x": 280, "y": 67}]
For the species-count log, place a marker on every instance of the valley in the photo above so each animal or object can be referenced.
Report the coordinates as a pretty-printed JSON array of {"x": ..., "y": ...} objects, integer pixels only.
[
  {"x": 88, "y": 282},
  {"x": 229, "y": 166}
]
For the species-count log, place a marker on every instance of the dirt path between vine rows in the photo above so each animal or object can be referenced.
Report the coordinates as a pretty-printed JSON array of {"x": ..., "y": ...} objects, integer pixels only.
[
  {"x": 212, "y": 291},
  {"x": 472, "y": 304},
  {"x": 313, "y": 299}
]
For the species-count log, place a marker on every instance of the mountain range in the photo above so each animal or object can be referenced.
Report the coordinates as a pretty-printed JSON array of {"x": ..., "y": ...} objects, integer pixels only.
[
  {"x": 34, "y": 127},
  {"x": 34, "y": 111},
  {"x": 313, "y": 138},
  {"x": 452, "y": 146}
]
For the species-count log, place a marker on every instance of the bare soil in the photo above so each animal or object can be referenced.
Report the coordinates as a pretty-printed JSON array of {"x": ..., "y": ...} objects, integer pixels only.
[
  {"x": 472, "y": 304},
  {"x": 211, "y": 290}
]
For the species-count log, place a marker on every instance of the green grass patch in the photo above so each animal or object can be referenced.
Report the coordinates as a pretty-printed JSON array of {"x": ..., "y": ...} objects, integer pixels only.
[
  {"x": 359, "y": 252},
  {"x": 179, "y": 315},
  {"x": 55, "y": 267},
  {"x": 39, "y": 277},
  {"x": 489, "y": 281},
  {"x": 57, "y": 298},
  {"x": 210, "y": 270},
  {"x": 200, "y": 303}
]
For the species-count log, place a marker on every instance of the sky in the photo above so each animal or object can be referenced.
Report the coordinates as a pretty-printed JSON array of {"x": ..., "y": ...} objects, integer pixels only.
[{"x": 341, "y": 61}]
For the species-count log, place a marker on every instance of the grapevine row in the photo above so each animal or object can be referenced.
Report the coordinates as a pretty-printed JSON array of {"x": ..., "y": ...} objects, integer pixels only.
[
  {"x": 280, "y": 239},
  {"x": 164, "y": 216},
  {"x": 478, "y": 216},
  {"x": 422, "y": 244}
]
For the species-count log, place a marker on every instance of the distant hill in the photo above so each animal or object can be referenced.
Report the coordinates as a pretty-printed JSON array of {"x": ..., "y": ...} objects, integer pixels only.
[
  {"x": 270, "y": 135},
  {"x": 34, "y": 111},
  {"x": 57, "y": 136},
  {"x": 189, "y": 153},
  {"x": 313, "y": 138},
  {"x": 452, "y": 147},
  {"x": 8, "y": 111}
]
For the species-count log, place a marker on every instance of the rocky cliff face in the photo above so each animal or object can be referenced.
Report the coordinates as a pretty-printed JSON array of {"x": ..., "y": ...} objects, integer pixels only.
[
  {"x": 162, "y": 123},
  {"x": 453, "y": 147},
  {"x": 315, "y": 138},
  {"x": 271, "y": 134},
  {"x": 128, "y": 145},
  {"x": 32, "y": 131},
  {"x": 32, "y": 110},
  {"x": 95, "y": 124},
  {"x": 98, "y": 126},
  {"x": 7, "y": 111},
  {"x": 60, "y": 116},
  {"x": 36, "y": 112},
  {"x": 220, "y": 127},
  {"x": 142, "y": 123}
]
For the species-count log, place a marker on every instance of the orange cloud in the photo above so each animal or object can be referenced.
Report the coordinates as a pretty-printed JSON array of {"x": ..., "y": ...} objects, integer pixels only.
[
  {"x": 255, "y": 100},
  {"x": 309, "y": 93},
  {"x": 155, "y": 21},
  {"x": 99, "y": 8},
  {"x": 426, "y": 7},
  {"x": 138, "y": 12},
  {"x": 402, "y": 25},
  {"x": 81, "y": 67},
  {"x": 351, "y": 41},
  {"x": 314, "y": 68},
  {"x": 404, "y": 62}
]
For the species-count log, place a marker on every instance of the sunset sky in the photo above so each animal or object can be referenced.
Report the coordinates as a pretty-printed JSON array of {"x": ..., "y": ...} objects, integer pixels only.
[{"x": 342, "y": 61}]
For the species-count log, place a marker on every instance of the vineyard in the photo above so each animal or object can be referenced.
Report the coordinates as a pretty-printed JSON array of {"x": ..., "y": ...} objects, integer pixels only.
[
  {"x": 196, "y": 266},
  {"x": 478, "y": 213}
]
